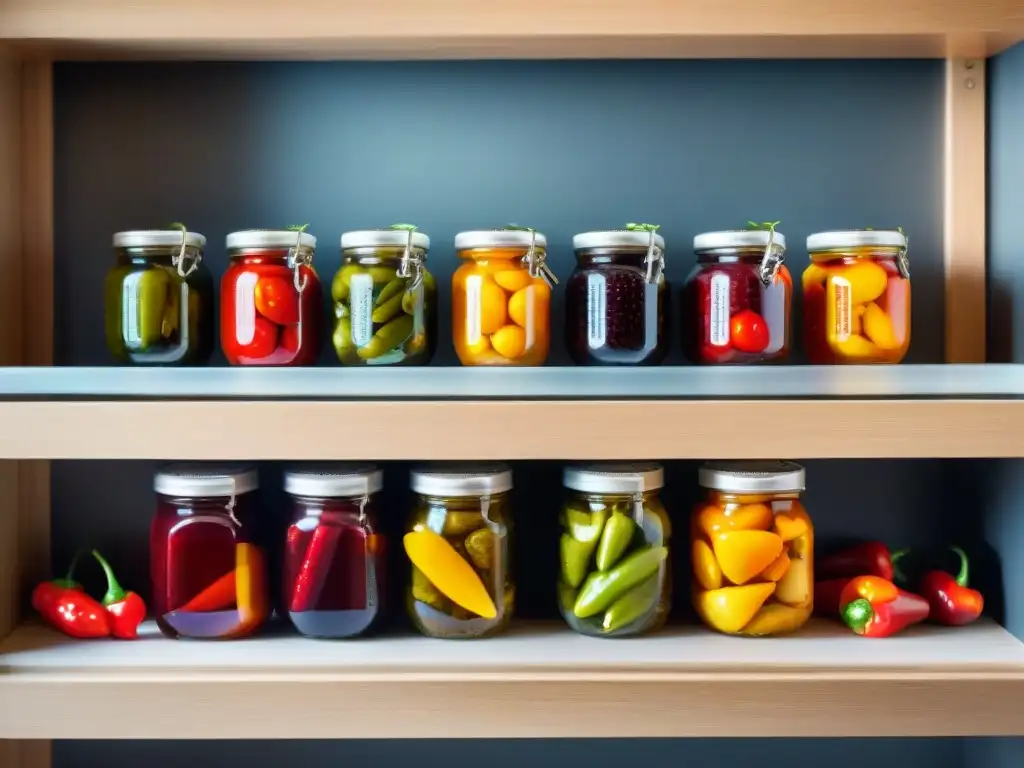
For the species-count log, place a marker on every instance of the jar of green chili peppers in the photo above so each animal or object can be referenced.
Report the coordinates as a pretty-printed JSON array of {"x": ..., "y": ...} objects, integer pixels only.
[{"x": 614, "y": 576}]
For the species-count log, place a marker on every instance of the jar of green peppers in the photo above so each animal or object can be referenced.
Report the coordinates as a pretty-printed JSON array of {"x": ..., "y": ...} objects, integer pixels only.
[
  {"x": 159, "y": 298},
  {"x": 614, "y": 576},
  {"x": 385, "y": 300}
]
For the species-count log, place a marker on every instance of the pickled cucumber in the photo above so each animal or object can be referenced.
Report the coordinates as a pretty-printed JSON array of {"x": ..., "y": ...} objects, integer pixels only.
[
  {"x": 387, "y": 310},
  {"x": 387, "y": 338},
  {"x": 339, "y": 286},
  {"x": 172, "y": 310},
  {"x": 423, "y": 589},
  {"x": 381, "y": 275},
  {"x": 410, "y": 299},
  {"x": 152, "y": 287},
  {"x": 389, "y": 291},
  {"x": 342, "y": 338},
  {"x": 460, "y": 523},
  {"x": 341, "y": 309},
  {"x": 480, "y": 548}
]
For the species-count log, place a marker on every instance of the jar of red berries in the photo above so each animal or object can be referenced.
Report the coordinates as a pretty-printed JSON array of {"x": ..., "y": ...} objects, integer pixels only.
[
  {"x": 271, "y": 303},
  {"x": 617, "y": 299},
  {"x": 737, "y": 299}
]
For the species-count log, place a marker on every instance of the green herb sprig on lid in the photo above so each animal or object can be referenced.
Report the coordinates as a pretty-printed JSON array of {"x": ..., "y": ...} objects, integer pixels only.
[
  {"x": 766, "y": 226},
  {"x": 297, "y": 227},
  {"x": 403, "y": 227},
  {"x": 517, "y": 228},
  {"x": 633, "y": 227}
]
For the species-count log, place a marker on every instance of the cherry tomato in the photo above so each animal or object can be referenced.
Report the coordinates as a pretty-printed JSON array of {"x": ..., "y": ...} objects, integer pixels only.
[
  {"x": 277, "y": 300},
  {"x": 264, "y": 340},
  {"x": 290, "y": 338},
  {"x": 749, "y": 332}
]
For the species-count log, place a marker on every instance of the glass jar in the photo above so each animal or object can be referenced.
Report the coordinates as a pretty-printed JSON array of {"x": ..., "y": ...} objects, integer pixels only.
[
  {"x": 616, "y": 301},
  {"x": 334, "y": 563},
  {"x": 209, "y": 568},
  {"x": 752, "y": 548},
  {"x": 857, "y": 297},
  {"x": 458, "y": 542},
  {"x": 501, "y": 298},
  {"x": 271, "y": 308},
  {"x": 385, "y": 300},
  {"x": 615, "y": 576},
  {"x": 159, "y": 299},
  {"x": 737, "y": 299}
]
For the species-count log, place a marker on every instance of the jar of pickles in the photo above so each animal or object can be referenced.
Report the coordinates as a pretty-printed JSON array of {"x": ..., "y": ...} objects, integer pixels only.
[
  {"x": 752, "y": 548},
  {"x": 385, "y": 300},
  {"x": 159, "y": 299},
  {"x": 616, "y": 301},
  {"x": 857, "y": 297},
  {"x": 736, "y": 301},
  {"x": 615, "y": 577},
  {"x": 271, "y": 308},
  {"x": 501, "y": 298},
  {"x": 334, "y": 563},
  {"x": 209, "y": 568},
  {"x": 458, "y": 543}
]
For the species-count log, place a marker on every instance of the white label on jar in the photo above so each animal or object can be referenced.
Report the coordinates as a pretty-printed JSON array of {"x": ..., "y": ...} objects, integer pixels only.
[
  {"x": 245, "y": 307},
  {"x": 718, "y": 310},
  {"x": 360, "y": 288},
  {"x": 773, "y": 308},
  {"x": 531, "y": 316},
  {"x": 597, "y": 329},
  {"x": 473, "y": 284},
  {"x": 130, "y": 310},
  {"x": 843, "y": 310}
]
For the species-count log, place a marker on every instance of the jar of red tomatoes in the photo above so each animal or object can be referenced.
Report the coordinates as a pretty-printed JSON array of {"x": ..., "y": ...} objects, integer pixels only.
[
  {"x": 857, "y": 297},
  {"x": 209, "y": 568},
  {"x": 737, "y": 299},
  {"x": 616, "y": 301},
  {"x": 271, "y": 309},
  {"x": 334, "y": 552}
]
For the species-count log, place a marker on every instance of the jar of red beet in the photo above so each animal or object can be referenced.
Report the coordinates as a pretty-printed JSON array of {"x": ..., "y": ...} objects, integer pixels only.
[
  {"x": 334, "y": 553},
  {"x": 617, "y": 299},
  {"x": 271, "y": 305},
  {"x": 209, "y": 569},
  {"x": 736, "y": 301}
]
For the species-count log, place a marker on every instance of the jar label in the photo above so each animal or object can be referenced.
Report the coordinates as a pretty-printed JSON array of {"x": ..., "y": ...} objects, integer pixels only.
[
  {"x": 718, "y": 311},
  {"x": 596, "y": 310},
  {"x": 473, "y": 284},
  {"x": 841, "y": 287},
  {"x": 245, "y": 307},
  {"x": 130, "y": 310},
  {"x": 361, "y": 303},
  {"x": 773, "y": 307}
]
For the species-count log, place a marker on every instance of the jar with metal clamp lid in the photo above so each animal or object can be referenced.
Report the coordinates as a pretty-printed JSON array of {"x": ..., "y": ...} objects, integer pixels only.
[
  {"x": 271, "y": 310},
  {"x": 501, "y": 297},
  {"x": 334, "y": 564},
  {"x": 617, "y": 299},
  {"x": 857, "y": 297},
  {"x": 458, "y": 542},
  {"x": 736, "y": 301},
  {"x": 209, "y": 566},
  {"x": 159, "y": 299},
  {"x": 752, "y": 548},
  {"x": 615, "y": 576},
  {"x": 385, "y": 300}
]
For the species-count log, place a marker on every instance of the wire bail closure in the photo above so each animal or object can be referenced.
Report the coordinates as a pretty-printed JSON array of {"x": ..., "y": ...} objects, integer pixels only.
[
  {"x": 180, "y": 260},
  {"x": 655, "y": 260},
  {"x": 774, "y": 255},
  {"x": 536, "y": 265},
  {"x": 411, "y": 264},
  {"x": 298, "y": 260},
  {"x": 903, "y": 260},
  {"x": 230, "y": 508}
]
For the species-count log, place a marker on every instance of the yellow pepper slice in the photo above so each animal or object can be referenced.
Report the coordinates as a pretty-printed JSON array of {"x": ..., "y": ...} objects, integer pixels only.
[
  {"x": 730, "y": 609},
  {"x": 742, "y": 555},
  {"x": 447, "y": 571}
]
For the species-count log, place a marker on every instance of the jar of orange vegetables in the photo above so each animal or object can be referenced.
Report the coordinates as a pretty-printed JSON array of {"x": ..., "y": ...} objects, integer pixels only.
[
  {"x": 857, "y": 297},
  {"x": 752, "y": 548},
  {"x": 501, "y": 297}
]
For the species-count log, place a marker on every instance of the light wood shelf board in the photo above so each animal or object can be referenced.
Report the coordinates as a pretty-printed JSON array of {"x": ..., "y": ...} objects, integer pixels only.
[
  {"x": 510, "y": 28},
  {"x": 596, "y": 429},
  {"x": 539, "y": 680}
]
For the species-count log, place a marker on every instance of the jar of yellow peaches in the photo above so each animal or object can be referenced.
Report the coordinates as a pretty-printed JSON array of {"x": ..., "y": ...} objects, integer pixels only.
[
  {"x": 857, "y": 297},
  {"x": 501, "y": 298},
  {"x": 752, "y": 548}
]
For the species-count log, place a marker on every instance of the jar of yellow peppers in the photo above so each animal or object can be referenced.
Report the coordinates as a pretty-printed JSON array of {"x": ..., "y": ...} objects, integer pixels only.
[
  {"x": 752, "y": 548},
  {"x": 458, "y": 543}
]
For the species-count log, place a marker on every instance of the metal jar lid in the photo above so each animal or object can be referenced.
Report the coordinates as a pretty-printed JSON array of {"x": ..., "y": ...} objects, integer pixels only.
[
  {"x": 269, "y": 238},
  {"x": 383, "y": 238},
  {"x": 462, "y": 479},
  {"x": 204, "y": 480},
  {"x": 157, "y": 238},
  {"x": 499, "y": 238},
  {"x": 736, "y": 239},
  {"x": 614, "y": 477},
  {"x": 752, "y": 476},
  {"x": 855, "y": 238},
  {"x": 616, "y": 238},
  {"x": 334, "y": 480}
]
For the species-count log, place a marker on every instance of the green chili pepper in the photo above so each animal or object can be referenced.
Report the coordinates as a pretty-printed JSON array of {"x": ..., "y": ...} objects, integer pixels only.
[
  {"x": 632, "y": 605},
  {"x": 583, "y": 525},
  {"x": 389, "y": 291},
  {"x": 576, "y": 559},
  {"x": 618, "y": 532},
  {"x": 605, "y": 587}
]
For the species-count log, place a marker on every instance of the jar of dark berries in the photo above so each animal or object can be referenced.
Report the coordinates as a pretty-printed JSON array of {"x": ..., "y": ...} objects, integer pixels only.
[
  {"x": 617, "y": 299},
  {"x": 736, "y": 300}
]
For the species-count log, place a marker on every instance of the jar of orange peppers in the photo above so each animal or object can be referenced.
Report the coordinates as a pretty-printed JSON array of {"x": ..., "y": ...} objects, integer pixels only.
[
  {"x": 501, "y": 297},
  {"x": 857, "y": 297},
  {"x": 752, "y": 548}
]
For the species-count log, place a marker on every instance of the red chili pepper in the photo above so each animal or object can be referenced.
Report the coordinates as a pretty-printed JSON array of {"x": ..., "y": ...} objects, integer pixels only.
[
  {"x": 65, "y": 606},
  {"x": 220, "y": 595},
  {"x": 826, "y": 597},
  {"x": 871, "y": 558},
  {"x": 952, "y": 602},
  {"x": 46, "y": 595},
  {"x": 315, "y": 565},
  {"x": 126, "y": 609},
  {"x": 875, "y": 607}
]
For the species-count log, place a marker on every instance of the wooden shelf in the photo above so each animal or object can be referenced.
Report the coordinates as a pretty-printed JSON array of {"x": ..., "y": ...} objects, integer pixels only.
[
  {"x": 306, "y": 29},
  {"x": 537, "y": 681}
]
